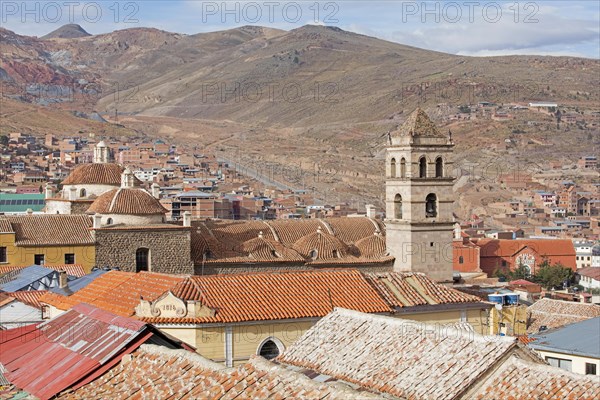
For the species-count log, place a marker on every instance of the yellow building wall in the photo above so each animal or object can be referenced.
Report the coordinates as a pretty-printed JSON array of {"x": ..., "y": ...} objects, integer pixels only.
[
  {"x": 510, "y": 321},
  {"x": 53, "y": 255},
  {"x": 478, "y": 319}
]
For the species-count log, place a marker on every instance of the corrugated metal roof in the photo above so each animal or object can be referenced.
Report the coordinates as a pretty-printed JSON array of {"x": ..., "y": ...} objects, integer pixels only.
[
  {"x": 48, "y": 358},
  {"x": 78, "y": 284},
  {"x": 581, "y": 338},
  {"x": 24, "y": 278}
]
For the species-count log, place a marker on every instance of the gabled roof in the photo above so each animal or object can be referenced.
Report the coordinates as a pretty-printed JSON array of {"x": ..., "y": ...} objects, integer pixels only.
[
  {"x": 508, "y": 247},
  {"x": 556, "y": 313},
  {"x": 418, "y": 124},
  {"x": 50, "y": 229},
  {"x": 415, "y": 289},
  {"x": 161, "y": 373},
  {"x": 590, "y": 272},
  {"x": 581, "y": 339},
  {"x": 29, "y": 297},
  {"x": 73, "y": 348},
  {"x": 117, "y": 292},
  {"x": 397, "y": 357},
  {"x": 277, "y": 295},
  {"x": 75, "y": 270},
  {"x": 519, "y": 379}
]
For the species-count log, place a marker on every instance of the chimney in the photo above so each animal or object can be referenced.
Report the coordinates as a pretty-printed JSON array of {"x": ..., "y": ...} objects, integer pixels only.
[
  {"x": 97, "y": 221},
  {"x": 62, "y": 279},
  {"x": 187, "y": 218},
  {"x": 73, "y": 193},
  {"x": 156, "y": 190},
  {"x": 49, "y": 191},
  {"x": 370, "y": 211}
]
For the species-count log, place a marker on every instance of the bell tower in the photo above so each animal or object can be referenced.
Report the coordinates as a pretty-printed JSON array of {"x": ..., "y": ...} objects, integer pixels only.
[{"x": 419, "y": 198}]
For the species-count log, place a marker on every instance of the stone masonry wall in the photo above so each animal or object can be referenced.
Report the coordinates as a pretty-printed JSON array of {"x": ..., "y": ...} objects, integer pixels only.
[{"x": 169, "y": 249}]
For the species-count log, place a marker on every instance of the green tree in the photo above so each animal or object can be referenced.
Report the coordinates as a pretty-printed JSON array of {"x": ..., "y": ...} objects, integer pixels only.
[
  {"x": 4, "y": 140},
  {"x": 521, "y": 272},
  {"x": 551, "y": 276}
]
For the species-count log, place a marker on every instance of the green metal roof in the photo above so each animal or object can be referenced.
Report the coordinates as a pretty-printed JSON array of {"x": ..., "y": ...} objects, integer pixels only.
[{"x": 14, "y": 203}]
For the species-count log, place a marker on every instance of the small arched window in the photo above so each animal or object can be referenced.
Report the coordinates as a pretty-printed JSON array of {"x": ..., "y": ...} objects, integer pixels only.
[
  {"x": 402, "y": 168},
  {"x": 270, "y": 348},
  {"x": 431, "y": 206},
  {"x": 109, "y": 221},
  {"x": 82, "y": 193},
  {"x": 461, "y": 260},
  {"x": 142, "y": 260},
  {"x": 422, "y": 167},
  {"x": 439, "y": 167},
  {"x": 313, "y": 254},
  {"x": 398, "y": 207},
  {"x": 393, "y": 168}
]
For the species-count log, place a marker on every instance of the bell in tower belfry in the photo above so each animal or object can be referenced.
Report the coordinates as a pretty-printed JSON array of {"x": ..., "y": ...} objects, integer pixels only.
[{"x": 419, "y": 198}]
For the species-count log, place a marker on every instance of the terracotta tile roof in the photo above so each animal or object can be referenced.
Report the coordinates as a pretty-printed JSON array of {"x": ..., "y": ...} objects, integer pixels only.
[
  {"x": 325, "y": 244},
  {"x": 29, "y": 297},
  {"x": 289, "y": 232},
  {"x": 351, "y": 230},
  {"x": 5, "y": 226},
  {"x": 415, "y": 289},
  {"x": 519, "y": 379},
  {"x": 507, "y": 247},
  {"x": 556, "y": 313},
  {"x": 154, "y": 372},
  {"x": 71, "y": 269},
  {"x": 99, "y": 174},
  {"x": 261, "y": 249},
  {"x": 277, "y": 295},
  {"x": 418, "y": 124},
  {"x": 590, "y": 272},
  {"x": 51, "y": 230},
  {"x": 117, "y": 292},
  {"x": 372, "y": 246},
  {"x": 397, "y": 357},
  {"x": 5, "y": 299},
  {"x": 127, "y": 201}
]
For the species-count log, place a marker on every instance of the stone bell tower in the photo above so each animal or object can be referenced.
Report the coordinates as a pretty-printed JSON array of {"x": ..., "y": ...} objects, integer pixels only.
[{"x": 419, "y": 198}]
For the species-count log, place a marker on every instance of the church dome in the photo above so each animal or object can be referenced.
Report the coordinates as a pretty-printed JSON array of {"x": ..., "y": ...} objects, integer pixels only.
[
  {"x": 96, "y": 174},
  {"x": 130, "y": 201},
  {"x": 372, "y": 246},
  {"x": 320, "y": 246}
]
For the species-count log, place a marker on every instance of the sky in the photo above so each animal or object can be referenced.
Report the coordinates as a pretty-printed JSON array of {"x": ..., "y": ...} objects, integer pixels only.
[{"x": 470, "y": 27}]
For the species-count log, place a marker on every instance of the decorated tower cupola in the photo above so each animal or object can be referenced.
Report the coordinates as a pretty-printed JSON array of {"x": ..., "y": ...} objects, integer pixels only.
[
  {"x": 419, "y": 198},
  {"x": 127, "y": 179},
  {"x": 101, "y": 153}
]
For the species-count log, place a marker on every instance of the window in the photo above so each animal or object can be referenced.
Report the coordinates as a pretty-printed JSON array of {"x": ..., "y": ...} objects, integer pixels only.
[
  {"x": 439, "y": 167},
  {"x": 402, "y": 168},
  {"x": 590, "y": 369},
  {"x": 313, "y": 254},
  {"x": 431, "y": 206},
  {"x": 461, "y": 260},
  {"x": 38, "y": 259},
  {"x": 560, "y": 363},
  {"x": 142, "y": 260},
  {"x": 504, "y": 263},
  {"x": 422, "y": 167},
  {"x": 393, "y": 168},
  {"x": 109, "y": 221},
  {"x": 69, "y": 258},
  {"x": 3, "y": 257},
  {"x": 270, "y": 348},
  {"x": 82, "y": 193},
  {"x": 398, "y": 207}
]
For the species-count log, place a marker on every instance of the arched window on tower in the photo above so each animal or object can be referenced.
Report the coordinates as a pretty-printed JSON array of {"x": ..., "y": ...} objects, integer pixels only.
[
  {"x": 398, "y": 207},
  {"x": 423, "y": 167},
  {"x": 431, "y": 206},
  {"x": 142, "y": 259},
  {"x": 393, "y": 168},
  {"x": 402, "y": 168},
  {"x": 439, "y": 167},
  {"x": 82, "y": 193}
]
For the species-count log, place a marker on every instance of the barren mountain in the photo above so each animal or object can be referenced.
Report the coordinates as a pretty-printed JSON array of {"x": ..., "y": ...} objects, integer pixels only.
[{"x": 69, "y": 31}]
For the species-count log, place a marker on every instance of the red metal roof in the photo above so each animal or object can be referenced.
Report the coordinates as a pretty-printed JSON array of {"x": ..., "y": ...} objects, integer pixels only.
[{"x": 50, "y": 357}]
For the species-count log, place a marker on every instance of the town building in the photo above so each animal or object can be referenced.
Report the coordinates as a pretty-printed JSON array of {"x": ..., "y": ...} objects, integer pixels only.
[
  {"x": 574, "y": 347},
  {"x": 548, "y": 314}
]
